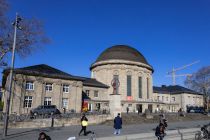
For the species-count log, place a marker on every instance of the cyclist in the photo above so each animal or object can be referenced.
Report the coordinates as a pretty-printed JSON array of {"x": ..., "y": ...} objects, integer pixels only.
[{"x": 160, "y": 131}]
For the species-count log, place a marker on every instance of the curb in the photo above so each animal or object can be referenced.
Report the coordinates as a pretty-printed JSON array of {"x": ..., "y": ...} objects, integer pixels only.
[{"x": 181, "y": 134}]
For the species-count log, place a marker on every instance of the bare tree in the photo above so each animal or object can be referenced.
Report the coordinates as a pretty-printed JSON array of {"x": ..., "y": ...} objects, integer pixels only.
[
  {"x": 29, "y": 38},
  {"x": 200, "y": 82}
]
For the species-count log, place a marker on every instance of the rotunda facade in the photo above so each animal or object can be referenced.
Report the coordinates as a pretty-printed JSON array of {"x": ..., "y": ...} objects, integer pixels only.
[{"x": 134, "y": 73}]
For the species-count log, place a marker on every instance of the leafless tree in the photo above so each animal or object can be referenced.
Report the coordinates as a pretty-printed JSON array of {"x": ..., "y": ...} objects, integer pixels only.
[
  {"x": 29, "y": 38},
  {"x": 200, "y": 82}
]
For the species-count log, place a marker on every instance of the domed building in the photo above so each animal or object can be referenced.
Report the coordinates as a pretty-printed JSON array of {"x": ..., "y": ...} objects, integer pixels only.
[
  {"x": 134, "y": 73},
  {"x": 121, "y": 80}
]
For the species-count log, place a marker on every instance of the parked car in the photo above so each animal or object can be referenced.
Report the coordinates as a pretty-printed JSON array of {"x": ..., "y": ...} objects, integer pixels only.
[
  {"x": 45, "y": 109},
  {"x": 193, "y": 109}
]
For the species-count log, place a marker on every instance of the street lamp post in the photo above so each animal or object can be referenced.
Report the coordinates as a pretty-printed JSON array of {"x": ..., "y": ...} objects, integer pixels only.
[{"x": 6, "y": 120}]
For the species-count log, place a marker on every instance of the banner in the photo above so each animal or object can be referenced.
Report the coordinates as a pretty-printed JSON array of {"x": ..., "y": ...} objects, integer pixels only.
[
  {"x": 129, "y": 98},
  {"x": 85, "y": 106}
]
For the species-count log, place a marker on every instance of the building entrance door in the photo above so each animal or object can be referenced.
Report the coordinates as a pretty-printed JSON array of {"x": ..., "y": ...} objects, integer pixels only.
[
  {"x": 139, "y": 108},
  {"x": 150, "y": 107}
]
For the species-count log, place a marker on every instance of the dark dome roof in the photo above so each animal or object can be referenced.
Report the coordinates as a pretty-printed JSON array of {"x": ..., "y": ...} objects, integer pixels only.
[{"x": 122, "y": 52}]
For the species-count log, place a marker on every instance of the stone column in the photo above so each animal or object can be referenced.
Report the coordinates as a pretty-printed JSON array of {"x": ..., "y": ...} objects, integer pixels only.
[{"x": 115, "y": 104}]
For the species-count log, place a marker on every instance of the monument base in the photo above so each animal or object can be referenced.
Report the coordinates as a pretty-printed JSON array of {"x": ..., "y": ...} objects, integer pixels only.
[{"x": 115, "y": 104}]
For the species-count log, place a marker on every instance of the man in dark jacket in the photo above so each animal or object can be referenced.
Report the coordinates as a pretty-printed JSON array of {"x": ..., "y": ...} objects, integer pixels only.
[{"x": 117, "y": 124}]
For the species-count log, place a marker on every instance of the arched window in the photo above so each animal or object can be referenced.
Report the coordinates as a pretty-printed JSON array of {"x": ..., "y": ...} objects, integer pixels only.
[
  {"x": 147, "y": 88},
  {"x": 140, "y": 86},
  {"x": 129, "y": 85}
]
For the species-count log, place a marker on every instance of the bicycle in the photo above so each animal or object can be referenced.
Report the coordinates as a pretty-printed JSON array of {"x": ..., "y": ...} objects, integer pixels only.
[{"x": 202, "y": 135}]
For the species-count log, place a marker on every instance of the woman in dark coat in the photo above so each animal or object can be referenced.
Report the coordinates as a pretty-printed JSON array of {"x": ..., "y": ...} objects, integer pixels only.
[{"x": 117, "y": 124}]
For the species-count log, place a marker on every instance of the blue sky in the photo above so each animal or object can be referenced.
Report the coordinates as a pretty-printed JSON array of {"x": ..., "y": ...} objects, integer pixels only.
[{"x": 169, "y": 33}]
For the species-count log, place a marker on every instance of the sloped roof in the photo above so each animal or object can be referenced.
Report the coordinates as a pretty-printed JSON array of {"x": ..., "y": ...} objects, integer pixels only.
[
  {"x": 50, "y": 72},
  {"x": 45, "y": 71},
  {"x": 93, "y": 83},
  {"x": 176, "y": 89},
  {"x": 162, "y": 89}
]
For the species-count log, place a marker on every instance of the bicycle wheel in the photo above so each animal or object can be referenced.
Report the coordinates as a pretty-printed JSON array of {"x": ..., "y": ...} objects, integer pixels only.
[{"x": 92, "y": 136}]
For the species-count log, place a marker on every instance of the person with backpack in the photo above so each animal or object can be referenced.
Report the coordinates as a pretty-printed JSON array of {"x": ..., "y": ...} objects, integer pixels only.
[{"x": 160, "y": 131}]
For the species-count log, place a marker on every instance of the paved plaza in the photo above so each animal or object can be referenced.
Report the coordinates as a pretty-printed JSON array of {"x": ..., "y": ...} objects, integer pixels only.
[{"x": 62, "y": 133}]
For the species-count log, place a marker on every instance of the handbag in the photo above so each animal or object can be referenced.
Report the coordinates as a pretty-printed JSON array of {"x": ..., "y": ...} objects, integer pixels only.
[{"x": 84, "y": 123}]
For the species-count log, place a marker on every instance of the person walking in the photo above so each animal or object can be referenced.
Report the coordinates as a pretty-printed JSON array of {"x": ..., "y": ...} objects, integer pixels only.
[
  {"x": 117, "y": 124},
  {"x": 84, "y": 124}
]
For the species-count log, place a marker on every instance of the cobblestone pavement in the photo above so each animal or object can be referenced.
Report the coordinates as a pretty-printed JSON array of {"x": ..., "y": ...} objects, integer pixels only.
[{"x": 62, "y": 133}]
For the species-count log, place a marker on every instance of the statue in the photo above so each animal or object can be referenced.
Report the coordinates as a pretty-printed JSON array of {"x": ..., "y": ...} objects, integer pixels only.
[{"x": 115, "y": 84}]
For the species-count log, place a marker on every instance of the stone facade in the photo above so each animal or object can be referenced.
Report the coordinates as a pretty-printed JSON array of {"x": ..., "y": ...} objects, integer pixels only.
[
  {"x": 38, "y": 93},
  {"x": 105, "y": 73},
  {"x": 173, "y": 102},
  {"x": 98, "y": 98}
]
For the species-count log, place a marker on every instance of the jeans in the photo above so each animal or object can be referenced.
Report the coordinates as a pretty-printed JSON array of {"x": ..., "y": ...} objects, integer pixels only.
[
  {"x": 161, "y": 136},
  {"x": 83, "y": 129},
  {"x": 117, "y": 131}
]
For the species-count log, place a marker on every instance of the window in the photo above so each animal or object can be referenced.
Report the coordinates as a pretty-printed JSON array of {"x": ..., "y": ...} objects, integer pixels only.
[
  {"x": 29, "y": 85},
  {"x": 194, "y": 99},
  {"x": 163, "y": 98},
  {"x": 66, "y": 88},
  {"x": 140, "y": 87},
  {"x": 147, "y": 88},
  {"x": 173, "y": 99},
  {"x": 129, "y": 105},
  {"x": 158, "y": 98},
  {"x": 65, "y": 103},
  {"x": 87, "y": 92},
  {"x": 48, "y": 87},
  {"x": 47, "y": 101},
  {"x": 27, "y": 101},
  {"x": 106, "y": 104},
  {"x": 128, "y": 85},
  {"x": 95, "y": 93},
  {"x": 166, "y": 98}
]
